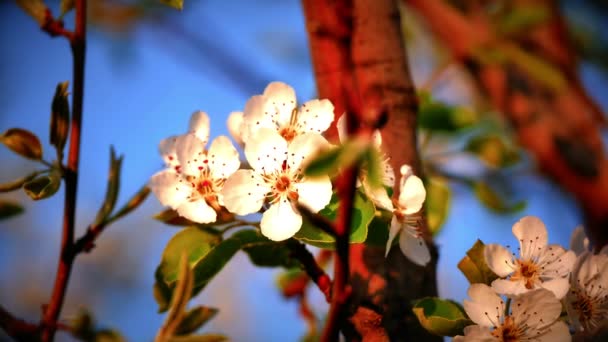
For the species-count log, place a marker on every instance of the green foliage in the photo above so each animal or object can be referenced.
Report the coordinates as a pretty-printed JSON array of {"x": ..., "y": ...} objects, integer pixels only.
[
  {"x": 337, "y": 158},
  {"x": 60, "y": 116},
  {"x": 18, "y": 183},
  {"x": 111, "y": 189},
  {"x": 22, "y": 142},
  {"x": 194, "y": 319},
  {"x": 441, "y": 317},
  {"x": 363, "y": 213},
  {"x": 177, "y": 4},
  {"x": 9, "y": 209},
  {"x": 439, "y": 117},
  {"x": 492, "y": 150},
  {"x": 179, "y": 301},
  {"x": 437, "y": 204},
  {"x": 373, "y": 167},
  {"x": 521, "y": 19},
  {"x": 43, "y": 186},
  {"x": 34, "y": 8},
  {"x": 493, "y": 200},
  {"x": 474, "y": 266},
  {"x": 83, "y": 328}
]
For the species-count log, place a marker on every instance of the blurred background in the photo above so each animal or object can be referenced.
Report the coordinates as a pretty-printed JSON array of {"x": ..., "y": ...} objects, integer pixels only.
[{"x": 147, "y": 69}]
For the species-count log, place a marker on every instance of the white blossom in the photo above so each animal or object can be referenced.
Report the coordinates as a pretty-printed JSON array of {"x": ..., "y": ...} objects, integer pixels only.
[
  {"x": 579, "y": 242},
  {"x": 276, "y": 179},
  {"x": 533, "y": 316},
  {"x": 192, "y": 181},
  {"x": 235, "y": 124},
  {"x": 539, "y": 265},
  {"x": 405, "y": 221},
  {"x": 277, "y": 109}
]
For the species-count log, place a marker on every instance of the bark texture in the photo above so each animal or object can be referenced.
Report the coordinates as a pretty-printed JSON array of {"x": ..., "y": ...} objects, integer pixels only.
[{"x": 360, "y": 65}]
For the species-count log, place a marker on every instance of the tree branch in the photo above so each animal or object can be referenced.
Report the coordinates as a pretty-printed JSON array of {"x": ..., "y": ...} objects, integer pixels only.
[
  {"x": 18, "y": 329},
  {"x": 312, "y": 269}
]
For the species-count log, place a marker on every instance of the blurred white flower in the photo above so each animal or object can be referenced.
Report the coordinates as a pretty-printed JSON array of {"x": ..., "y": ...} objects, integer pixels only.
[
  {"x": 277, "y": 177},
  {"x": 534, "y": 316},
  {"x": 378, "y": 195},
  {"x": 405, "y": 221},
  {"x": 235, "y": 123},
  {"x": 277, "y": 109},
  {"x": 579, "y": 242},
  {"x": 192, "y": 181},
  {"x": 538, "y": 266}
]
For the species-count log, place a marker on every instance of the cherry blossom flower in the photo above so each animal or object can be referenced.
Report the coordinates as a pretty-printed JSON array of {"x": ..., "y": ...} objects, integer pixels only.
[
  {"x": 378, "y": 195},
  {"x": 192, "y": 181},
  {"x": 579, "y": 242},
  {"x": 276, "y": 179},
  {"x": 405, "y": 221},
  {"x": 538, "y": 266},
  {"x": 276, "y": 109},
  {"x": 235, "y": 123},
  {"x": 533, "y": 316},
  {"x": 587, "y": 300}
]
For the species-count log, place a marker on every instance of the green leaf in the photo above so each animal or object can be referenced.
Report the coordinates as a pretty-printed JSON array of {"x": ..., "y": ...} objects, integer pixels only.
[
  {"x": 177, "y": 4},
  {"x": 522, "y": 19},
  {"x": 363, "y": 213},
  {"x": 199, "y": 338},
  {"x": 492, "y": 200},
  {"x": 43, "y": 186},
  {"x": 111, "y": 188},
  {"x": 179, "y": 301},
  {"x": 22, "y": 142},
  {"x": 492, "y": 150},
  {"x": 337, "y": 158},
  {"x": 66, "y": 6},
  {"x": 443, "y": 118},
  {"x": 474, "y": 266},
  {"x": 195, "y": 319},
  {"x": 35, "y": 9},
  {"x": 373, "y": 167},
  {"x": 377, "y": 234},
  {"x": 134, "y": 202},
  {"x": 162, "y": 292},
  {"x": 18, "y": 183},
  {"x": 60, "y": 116},
  {"x": 9, "y": 209},
  {"x": 267, "y": 253},
  {"x": 106, "y": 335},
  {"x": 437, "y": 204},
  {"x": 172, "y": 218},
  {"x": 441, "y": 317}
]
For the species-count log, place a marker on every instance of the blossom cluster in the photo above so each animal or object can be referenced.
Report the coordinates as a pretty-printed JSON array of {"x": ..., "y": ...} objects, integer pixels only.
[
  {"x": 279, "y": 138},
  {"x": 538, "y": 283}
]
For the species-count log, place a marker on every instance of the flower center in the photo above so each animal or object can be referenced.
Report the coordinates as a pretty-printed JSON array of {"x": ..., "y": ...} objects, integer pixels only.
[
  {"x": 507, "y": 332},
  {"x": 527, "y": 270},
  {"x": 204, "y": 187},
  {"x": 288, "y": 133}
]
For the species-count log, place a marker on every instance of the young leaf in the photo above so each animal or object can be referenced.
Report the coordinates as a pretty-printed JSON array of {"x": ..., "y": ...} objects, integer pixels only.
[
  {"x": 474, "y": 266},
  {"x": 35, "y": 8},
  {"x": 442, "y": 118},
  {"x": 111, "y": 189},
  {"x": 373, "y": 167},
  {"x": 492, "y": 150},
  {"x": 179, "y": 301},
  {"x": 363, "y": 213},
  {"x": 437, "y": 204},
  {"x": 18, "y": 183},
  {"x": 331, "y": 161},
  {"x": 60, "y": 116},
  {"x": 492, "y": 200},
  {"x": 177, "y": 4},
  {"x": 441, "y": 317},
  {"x": 9, "y": 209},
  {"x": 43, "y": 186},
  {"x": 171, "y": 217},
  {"x": 194, "y": 319},
  {"x": 131, "y": 205},
  {"x": 66, "y": 6},
  {"x": 22, "y": 142}
]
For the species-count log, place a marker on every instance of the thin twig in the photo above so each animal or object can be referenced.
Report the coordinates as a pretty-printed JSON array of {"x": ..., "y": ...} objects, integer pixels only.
[
  {"x": 18, "y": 329},
  {"x": 66, "y": 258},
  {"x": 311, "y": 267},
  {"x": 317, "y": 220}
]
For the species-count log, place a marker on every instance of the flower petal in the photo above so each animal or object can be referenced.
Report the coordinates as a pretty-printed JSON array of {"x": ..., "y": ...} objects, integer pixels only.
[
  {"x": 304, "y": 147},
  {"x": 509, "y": 287},
  {"x": 168, "y": 152},
  {"x": 411, "y": 195},
  {"x": 199, "y": 125},
  {"x": 314, "y": 193},
  {"x": 341, "y": 127},
  {"x": 282, "y": 99},
  {"x": 190, "y": 153},
  {"x": 558, "y": 332},
  {"x": 315, "y": 116},
  {"x": 256, "y": 115},
  {"x": 499, "y": 259},
  {"x": 558, "y": 286},
  {"x": 388, "y": 174},
  {"x": 244, "y": 192},
  {"x": 538, "y": 308},
  {"x": 414, "y": 248},
  {"x": 236, "y": 126},
  {"x": 378, "y": 195},
  {"x": 476, "y": 333},
  {"x": 394, "y": 230},
  {"x": 168, "y": 188},
  {"x": 532, "y": 236},
  {"x": 555, "y": 261},
  {"x": 197, "y": 211},
  {"x": 280, "y": 221},
  {"x": 266, "y": 151},
  {"x": 223, "y": 158},
  {"x": 485, "y": 308},
  {"x": 579, "y": 242}
]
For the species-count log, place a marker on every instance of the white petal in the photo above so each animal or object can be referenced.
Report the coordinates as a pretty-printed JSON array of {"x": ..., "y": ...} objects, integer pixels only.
[
  {"x": 168, "y": 151},
  {"x": 168, "y": 189},
  {"x": 379, "y": 196},
  {"x": 236, "y": 126},
  {"x": 282, "y": 98},
  {"x": 558, "y": 332},
  {"x": 315, "y": 116},
  {"x": 197, "y": 211},
  {"x": 304, "y": 147},
  {"x": 314, "y": 193},
  {"x": 555, "y": 261},
  {"x": 244, "y": 192},
  {"x": 395, "y": 229},
  {"x": 199, "y": 125},
  {"x": 579, "y": 242},
  {"x": 538, "y": 308},
  {"x": 558, "y": 286},
  {"x": 476, "y": 333},
  {"x": 190, "y": 153},
  {"x": 266, "y": 151},
  {"x": 256, "y": 115},
  {"x": 388, "y": 174},
  {"x": 414, "y": 248},
  {"x": 531, "y": 234},
  {"x": 377, "y": 138},
  {"x": 411, "y": 195},
  {"x": 485, "y": 307},
  {"x": 509, "y": 287},
  {"x": 341, "y": 127},
  {"x": 280, "y": 221},
  {"x": 499, "y": 259},
  {"x": 223, "y": 158}
]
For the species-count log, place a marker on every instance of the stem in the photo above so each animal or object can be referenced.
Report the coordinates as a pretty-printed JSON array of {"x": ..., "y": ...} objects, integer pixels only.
[
  {"x": 16, "y": 328},
  {"x": 66, "y": 258},
  {"x": 311, "y": 267}
]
